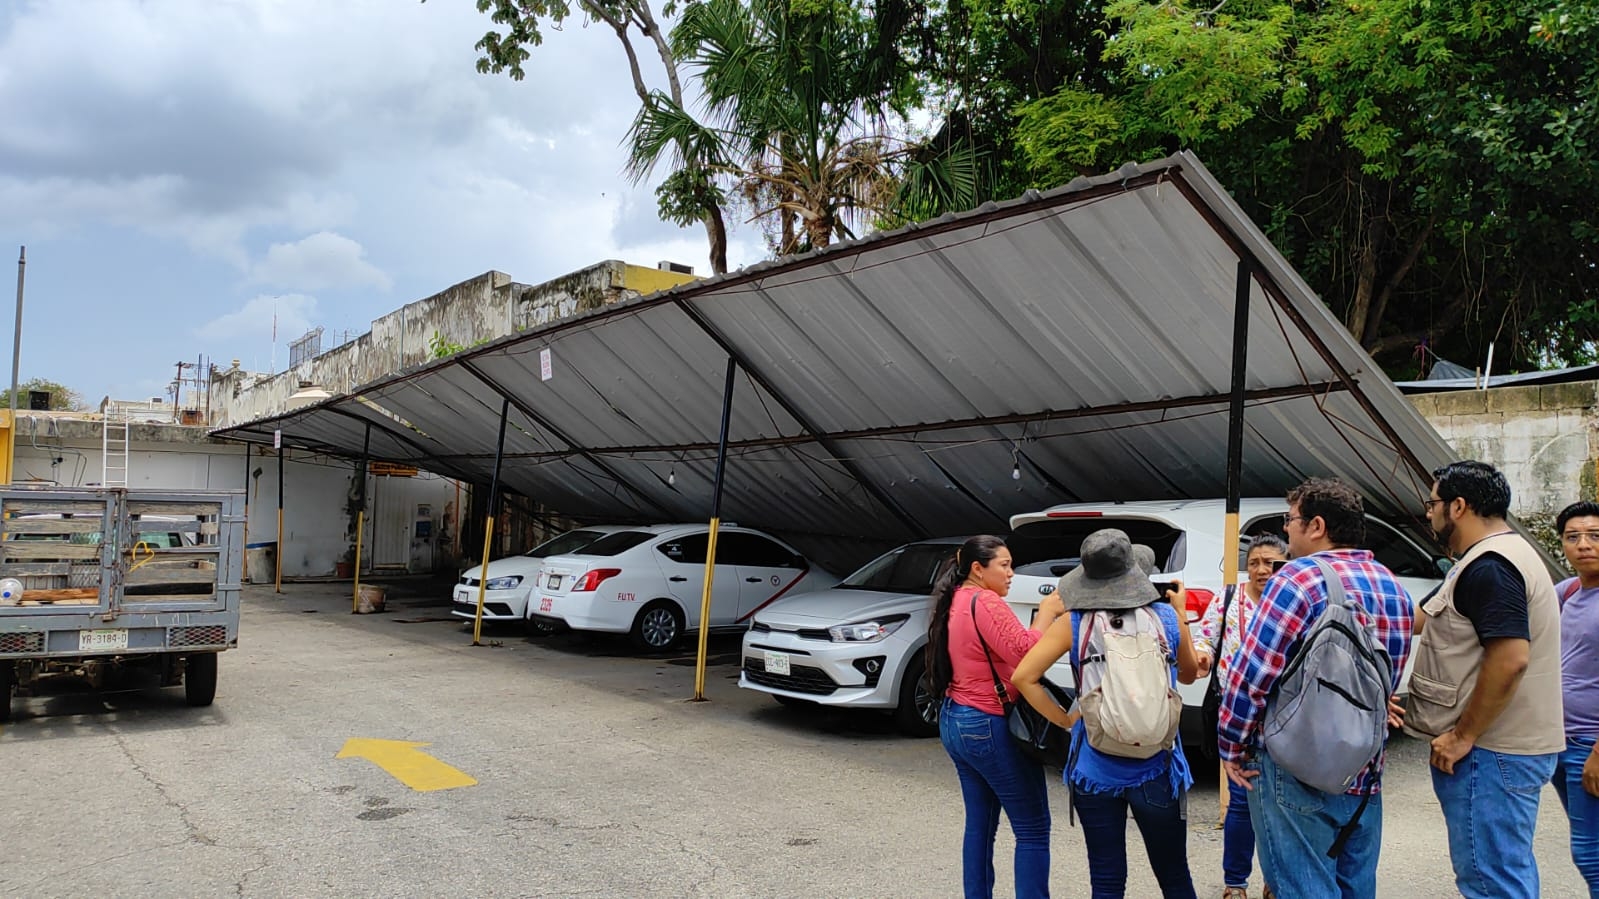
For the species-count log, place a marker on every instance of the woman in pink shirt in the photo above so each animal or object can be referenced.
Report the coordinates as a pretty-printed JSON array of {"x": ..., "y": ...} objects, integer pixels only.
[{"x": 970, "y": 598}]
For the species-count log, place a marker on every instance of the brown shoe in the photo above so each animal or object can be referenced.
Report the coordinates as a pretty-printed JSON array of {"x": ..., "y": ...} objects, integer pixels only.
[
  {"x": 1266, "y": 893},
  {"x": 1234, "y": 893}
]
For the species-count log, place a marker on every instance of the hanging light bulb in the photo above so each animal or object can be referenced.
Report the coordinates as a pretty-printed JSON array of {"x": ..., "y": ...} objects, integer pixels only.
[
  {"x": 1015, "y": 471},
  {"x": 671, "y": 477}
]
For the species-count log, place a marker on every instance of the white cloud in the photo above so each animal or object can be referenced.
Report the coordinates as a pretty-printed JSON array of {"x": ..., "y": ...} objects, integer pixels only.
[
  {"x": 292, "y": 313},
  {"x": 320, "y": 261}
]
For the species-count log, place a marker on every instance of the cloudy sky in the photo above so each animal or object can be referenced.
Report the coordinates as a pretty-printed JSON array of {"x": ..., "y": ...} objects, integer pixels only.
[{"x": 181, "y": 169}]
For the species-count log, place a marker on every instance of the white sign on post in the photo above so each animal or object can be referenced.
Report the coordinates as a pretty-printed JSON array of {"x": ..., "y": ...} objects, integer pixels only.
[
  {"x": 277, "y": 439},
  {"x": 544, "y": 364}
]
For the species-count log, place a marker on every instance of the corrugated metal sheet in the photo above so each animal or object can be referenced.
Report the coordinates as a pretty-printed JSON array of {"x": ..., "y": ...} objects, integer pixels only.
[{"x": 888, "y": 386}]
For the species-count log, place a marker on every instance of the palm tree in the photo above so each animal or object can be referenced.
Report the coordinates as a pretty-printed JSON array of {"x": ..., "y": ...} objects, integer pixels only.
[{"x": 799, "y": 101}]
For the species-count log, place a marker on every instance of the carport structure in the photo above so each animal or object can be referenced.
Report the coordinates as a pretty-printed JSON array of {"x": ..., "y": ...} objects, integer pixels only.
[{"x": 1074, "y": 345}]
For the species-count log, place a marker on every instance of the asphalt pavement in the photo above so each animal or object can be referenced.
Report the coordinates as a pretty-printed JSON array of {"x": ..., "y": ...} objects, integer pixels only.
[{"x": 594, "y": 776}]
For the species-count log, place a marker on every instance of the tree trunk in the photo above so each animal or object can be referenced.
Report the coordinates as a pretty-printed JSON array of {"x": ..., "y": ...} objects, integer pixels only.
[
  {"x": 1365, "y": 281},
  {"x": 716, "y": 234},
  {"x": 1379, "y": 308}
]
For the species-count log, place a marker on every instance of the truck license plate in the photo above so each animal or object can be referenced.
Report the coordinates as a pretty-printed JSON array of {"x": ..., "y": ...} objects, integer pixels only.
[
  {"x": 103, "y": 639},
  {"x": 776, "y": 662}
]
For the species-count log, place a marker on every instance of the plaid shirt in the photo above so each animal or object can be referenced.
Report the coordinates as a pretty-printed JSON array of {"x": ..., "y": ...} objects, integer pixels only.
[{"x": 1293, "y": 600}]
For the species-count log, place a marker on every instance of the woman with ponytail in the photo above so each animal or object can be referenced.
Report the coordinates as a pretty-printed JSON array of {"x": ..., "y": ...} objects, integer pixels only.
[{"x": 971, "y": 627}]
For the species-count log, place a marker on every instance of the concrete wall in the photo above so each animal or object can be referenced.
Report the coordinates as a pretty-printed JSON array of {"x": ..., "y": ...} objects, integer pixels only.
[
  {"x": 484, "y": 308},
  {"x": 1543, "y": 437}
]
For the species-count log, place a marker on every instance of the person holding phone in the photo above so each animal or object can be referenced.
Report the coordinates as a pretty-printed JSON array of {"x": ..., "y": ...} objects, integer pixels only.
[{"x": 1216, "y": 641}]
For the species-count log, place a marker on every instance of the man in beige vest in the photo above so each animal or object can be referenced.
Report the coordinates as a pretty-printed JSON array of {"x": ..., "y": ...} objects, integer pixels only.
[{"x": 1486, "y": 687}]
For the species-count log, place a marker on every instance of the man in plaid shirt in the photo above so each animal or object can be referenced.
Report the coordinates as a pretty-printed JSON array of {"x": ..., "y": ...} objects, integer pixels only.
[{"x": 1297, "y": 823}]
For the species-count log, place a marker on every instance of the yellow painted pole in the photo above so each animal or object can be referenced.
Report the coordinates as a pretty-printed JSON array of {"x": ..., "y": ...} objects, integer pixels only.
[
  {"x": 360, "y": 524},
  {"x": 705, "y": 612},
  {"x": 1229, "y": 578},
  {"x": 482, "y": 580}
]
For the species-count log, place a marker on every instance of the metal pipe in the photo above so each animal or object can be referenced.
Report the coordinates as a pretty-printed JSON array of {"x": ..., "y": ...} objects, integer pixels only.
[
  {"x": 1235, "y": 469},
  {"x": 279, "y": 553},
  {"x": 360, "y": 516},
  {"x": 716, "y": 524},
  {"x": 246, "y": 575},
  {"x": 16, "y": 338},
  {"x": 488, "y": 527}
]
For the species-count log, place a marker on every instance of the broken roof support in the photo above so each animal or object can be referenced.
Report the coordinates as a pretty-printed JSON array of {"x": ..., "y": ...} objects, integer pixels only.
[
  {"x": 488, "y": 525},
  {"x": 716, "y": 526}
]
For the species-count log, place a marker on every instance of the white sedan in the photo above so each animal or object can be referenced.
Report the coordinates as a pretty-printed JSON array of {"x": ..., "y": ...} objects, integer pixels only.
[
  {"x": 859, "y": 644},
  {"x": 648, "y": 582},
  {"x": 505, "y": 597}
]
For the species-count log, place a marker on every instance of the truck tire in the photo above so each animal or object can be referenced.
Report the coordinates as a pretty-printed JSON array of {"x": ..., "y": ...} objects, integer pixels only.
[
  {"x": 200, "y": 679},
  {"x": 8, "y": 681}
]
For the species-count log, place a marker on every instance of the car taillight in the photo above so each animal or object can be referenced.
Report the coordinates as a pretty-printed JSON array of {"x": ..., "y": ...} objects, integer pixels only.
[
  {"x": 1199, "y": 599},
  {"x": 594, "y": 578}
]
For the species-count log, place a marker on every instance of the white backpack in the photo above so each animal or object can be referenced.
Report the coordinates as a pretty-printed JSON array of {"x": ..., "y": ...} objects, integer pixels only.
[{"x": 1124, "y": 679}]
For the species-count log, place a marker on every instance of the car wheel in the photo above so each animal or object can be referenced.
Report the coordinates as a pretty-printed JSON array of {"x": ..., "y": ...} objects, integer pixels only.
[
  {"x": 200, "y": 679},
  {"x": 658, "y": 626},
  {"x": 917, "y": 712},
  {"x": 8, "y": 681}
]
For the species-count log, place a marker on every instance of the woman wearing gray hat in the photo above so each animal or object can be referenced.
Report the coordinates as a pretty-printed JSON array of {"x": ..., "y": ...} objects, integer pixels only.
[
  {"x": 1130, "y": 651},
  {"x": 973, "y": 642}
]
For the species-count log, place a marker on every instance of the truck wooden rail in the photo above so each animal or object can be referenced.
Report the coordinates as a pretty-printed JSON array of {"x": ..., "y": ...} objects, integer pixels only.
[{"x": 95, "y": 580}]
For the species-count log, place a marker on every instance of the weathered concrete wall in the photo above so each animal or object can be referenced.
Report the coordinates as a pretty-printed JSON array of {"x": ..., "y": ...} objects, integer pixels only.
[
  {"x": 1543, "y": 437},
  {"x": 484, "y": 308}
]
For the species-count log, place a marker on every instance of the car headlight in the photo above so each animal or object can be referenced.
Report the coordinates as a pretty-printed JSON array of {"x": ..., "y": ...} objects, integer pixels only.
[
  {"x": 867, "y": 631},
  {"x": 504, "y": 583}
]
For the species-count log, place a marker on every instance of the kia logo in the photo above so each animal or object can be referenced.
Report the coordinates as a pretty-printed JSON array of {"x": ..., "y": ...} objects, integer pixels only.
[{"x": 1046, "y": 589}]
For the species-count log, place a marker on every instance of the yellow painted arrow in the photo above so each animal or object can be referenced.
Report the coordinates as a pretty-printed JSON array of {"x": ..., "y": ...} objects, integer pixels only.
[{"x": 407, "y": 763}]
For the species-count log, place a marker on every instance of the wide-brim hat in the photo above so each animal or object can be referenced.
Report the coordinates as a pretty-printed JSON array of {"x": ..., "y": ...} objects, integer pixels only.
[{"x": 1109, "y": 576}]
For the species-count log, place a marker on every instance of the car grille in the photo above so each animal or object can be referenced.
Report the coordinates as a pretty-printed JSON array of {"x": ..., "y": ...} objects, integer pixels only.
[
  {"x": 489, "y": 608},
  {"x": 800, "y": 679},
  {"x": 467, "y": 582},
  {"x": 804, "y": 633}
]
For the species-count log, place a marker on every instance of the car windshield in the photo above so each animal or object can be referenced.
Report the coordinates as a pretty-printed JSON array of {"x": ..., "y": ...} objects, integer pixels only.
[
  {"x": 565, "y": 544},
  {"x": 909, "y": 569},
  {"x": 612, "y": 544},
  {"x": 1050, "y": 548}
]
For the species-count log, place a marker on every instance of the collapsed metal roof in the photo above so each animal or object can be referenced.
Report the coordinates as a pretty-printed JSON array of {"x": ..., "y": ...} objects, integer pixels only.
[{"x": 887, "y": 387}]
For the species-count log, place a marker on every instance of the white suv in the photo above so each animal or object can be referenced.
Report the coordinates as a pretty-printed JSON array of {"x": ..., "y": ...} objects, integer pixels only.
[
  {"x": 1187, "y": 536},
  {"x": 648, "y": 581}
]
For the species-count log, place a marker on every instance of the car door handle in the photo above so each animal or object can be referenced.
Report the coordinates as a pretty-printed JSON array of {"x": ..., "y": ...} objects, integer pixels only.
[
  {"x": 677, "y": 578},
  {"x": 753, "y": 580}
]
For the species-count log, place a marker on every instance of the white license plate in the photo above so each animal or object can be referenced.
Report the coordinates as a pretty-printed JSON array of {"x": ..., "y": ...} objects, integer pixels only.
[
  {"x": 554, "y": 583},
  {"x": 105, "y": 638},
  {"x": 776, "y": 662}
]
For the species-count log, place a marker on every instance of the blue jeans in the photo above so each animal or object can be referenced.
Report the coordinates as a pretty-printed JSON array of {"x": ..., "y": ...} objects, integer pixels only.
[
  {"x": 995, "y": 775},
  {"x": 1490, "y": 806},
  {"x": 1296, "y": 825},
  {"x": 1159, "y": 815},
  {"x": 1237, "y": 838},
  {"x": 1582, "y": 808}
]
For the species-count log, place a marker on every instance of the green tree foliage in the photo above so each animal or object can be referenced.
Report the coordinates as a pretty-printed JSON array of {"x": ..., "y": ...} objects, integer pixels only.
[
  {"x": 62, "y": 397},
  {"x": 1429, "y": 167},
  {"x": 801, "y": 100}
]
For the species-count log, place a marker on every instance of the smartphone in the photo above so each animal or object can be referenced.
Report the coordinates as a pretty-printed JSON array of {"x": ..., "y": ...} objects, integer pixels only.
[
  {"x": 1162, "y": 586},
  {"x": 1277, "y": 565}
]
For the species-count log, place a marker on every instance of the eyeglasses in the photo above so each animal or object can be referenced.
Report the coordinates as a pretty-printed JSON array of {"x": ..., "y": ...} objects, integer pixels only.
[
  {"x": 1288, "y": 518},
  {"x": 1427, "y": 504},
  {"x": 1575, "y": 538}
]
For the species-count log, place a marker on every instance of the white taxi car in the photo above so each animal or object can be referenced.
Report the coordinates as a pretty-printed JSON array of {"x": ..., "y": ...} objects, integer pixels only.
[
  {"x": 506, "y": 596},
  {"x": 648, "y": 582},
  {"x": 1187, "y": 537},
  {"x": 859, "y": 644}
]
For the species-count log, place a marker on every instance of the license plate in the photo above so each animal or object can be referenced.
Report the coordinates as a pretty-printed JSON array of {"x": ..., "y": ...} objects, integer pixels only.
[
  {"x": 776, "y": 662},
  {"x": 544, "y": 604},
  {"x": 554, "y": 583},
  {"x": 106, "y": 638}
]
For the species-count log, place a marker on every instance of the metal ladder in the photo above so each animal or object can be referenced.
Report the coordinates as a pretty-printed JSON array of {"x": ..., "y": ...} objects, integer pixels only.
[{"x": 114, "y": 448}]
